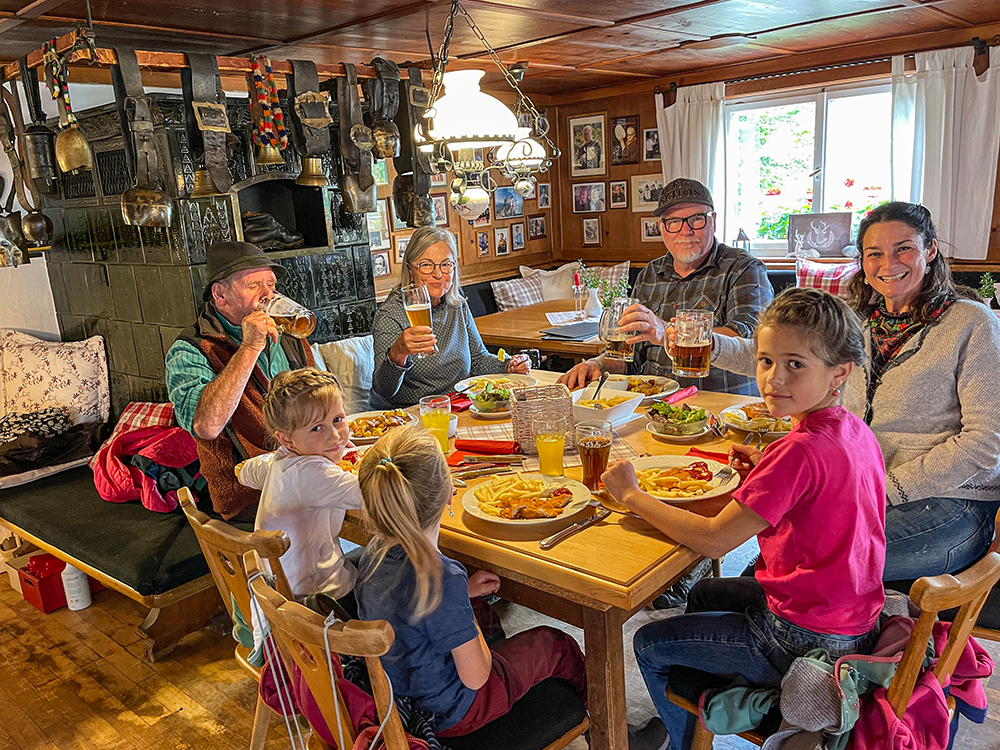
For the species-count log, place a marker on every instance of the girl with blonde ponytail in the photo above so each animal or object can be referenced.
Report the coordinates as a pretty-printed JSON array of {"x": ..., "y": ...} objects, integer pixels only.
[{"x": 440, "y": 659}]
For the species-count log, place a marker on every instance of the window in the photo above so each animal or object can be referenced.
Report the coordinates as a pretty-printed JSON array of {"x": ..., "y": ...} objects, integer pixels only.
[{"x": 822, "y": 151}]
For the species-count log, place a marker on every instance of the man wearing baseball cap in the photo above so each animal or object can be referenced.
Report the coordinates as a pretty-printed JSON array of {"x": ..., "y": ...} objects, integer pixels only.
[
  {"x": 218, "y": 370},
  {"x": 697, "y": 272}
]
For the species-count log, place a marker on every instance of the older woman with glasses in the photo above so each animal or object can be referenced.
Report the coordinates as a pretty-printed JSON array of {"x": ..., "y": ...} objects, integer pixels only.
[{"x": 400, "y": 379}]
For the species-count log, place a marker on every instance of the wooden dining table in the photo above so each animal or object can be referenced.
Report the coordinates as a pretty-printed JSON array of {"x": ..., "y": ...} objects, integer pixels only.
[
  {"x": 596, "y": 579},
  {"x": 521, "y": 329}
]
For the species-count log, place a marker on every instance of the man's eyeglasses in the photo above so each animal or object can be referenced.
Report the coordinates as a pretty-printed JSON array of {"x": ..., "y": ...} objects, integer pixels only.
[
  {"x": 425, "y": 266},
  {"x": 695, "y": 221}
]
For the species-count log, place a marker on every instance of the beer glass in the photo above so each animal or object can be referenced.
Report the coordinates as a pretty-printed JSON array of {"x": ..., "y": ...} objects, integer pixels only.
[
  {"x": 611, "y": 333},
  {"x": 693, "y": 343},
  {"x": 289, "y": 316},
  {"x": 417, "y": 303},
  {"x": 593, "y": 440},
  {"x": 550, "y": 442},
  {"x": 435, "y": 413}
]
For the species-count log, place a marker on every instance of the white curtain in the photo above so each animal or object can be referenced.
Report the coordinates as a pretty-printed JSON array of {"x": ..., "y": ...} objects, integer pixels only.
[
  {"x": 693, "y": 140},
  {"x": 945, "y": 144}
]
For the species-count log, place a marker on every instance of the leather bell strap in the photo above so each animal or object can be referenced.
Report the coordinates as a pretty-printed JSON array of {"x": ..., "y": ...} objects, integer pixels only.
[
  {"x": 141, "y": 151},
  {"x": 354, "y": 134},
  {"x": 269, "y": 120},
  {"x": 7, "y": 141},
  {"x": 206, "y": 101},
  {"x": 383, "y": 90},
  {"x": 309, "y": 110},
  {"x": 57, "y": 79},
  {"x": 29, "y": 78},
  {"x": 410, "y": 159}
]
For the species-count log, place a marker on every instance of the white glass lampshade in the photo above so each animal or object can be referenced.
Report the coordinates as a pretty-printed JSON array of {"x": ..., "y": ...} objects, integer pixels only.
[
  {"x": 467, "y": 118},
  {"x": 526, "y": 153},
  {"x": 470, "y": 204}
]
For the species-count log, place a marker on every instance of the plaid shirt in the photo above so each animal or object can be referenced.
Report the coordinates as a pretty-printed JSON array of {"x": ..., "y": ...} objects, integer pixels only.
[{"x": 730, "y": 283}]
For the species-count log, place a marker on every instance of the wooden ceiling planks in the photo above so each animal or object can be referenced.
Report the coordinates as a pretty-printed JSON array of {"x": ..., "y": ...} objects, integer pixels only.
[{"x": 570, "y": 46}]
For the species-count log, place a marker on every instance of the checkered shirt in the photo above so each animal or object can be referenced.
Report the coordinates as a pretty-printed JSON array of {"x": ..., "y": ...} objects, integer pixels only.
[{"x": 731, "y": 283}]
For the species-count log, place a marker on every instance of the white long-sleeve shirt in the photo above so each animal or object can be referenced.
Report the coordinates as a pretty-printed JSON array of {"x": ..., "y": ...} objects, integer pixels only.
[{"x": 307, "y": 497}]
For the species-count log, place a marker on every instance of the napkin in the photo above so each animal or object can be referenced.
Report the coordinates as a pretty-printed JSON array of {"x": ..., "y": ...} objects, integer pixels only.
[
  {"x": 682, "y": 394},
  {"x": 459, "y": 402},
  {"x": 492, "y": 447},
  {"x": 722, "y": 458}
]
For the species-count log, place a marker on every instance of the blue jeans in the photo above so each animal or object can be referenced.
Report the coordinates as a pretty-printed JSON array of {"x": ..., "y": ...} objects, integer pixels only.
[
  {"x": 936, "y": 535},
  {"x": 729, "y": 631}
]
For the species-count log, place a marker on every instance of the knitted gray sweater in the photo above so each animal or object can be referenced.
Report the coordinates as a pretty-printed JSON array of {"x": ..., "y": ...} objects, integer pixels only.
[{"x": 936, "y": 413}]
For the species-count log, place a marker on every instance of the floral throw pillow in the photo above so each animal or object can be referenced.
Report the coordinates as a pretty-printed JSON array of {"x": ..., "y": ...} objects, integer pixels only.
[
  {"x": 42, "y": 374},
  {"x": 45, "y": 423}
]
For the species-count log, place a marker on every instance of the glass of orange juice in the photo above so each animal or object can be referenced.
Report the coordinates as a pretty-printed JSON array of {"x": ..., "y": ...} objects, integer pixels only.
[
  {"x": 435, "y": 411},
  {"x": 550, "y": 442}
]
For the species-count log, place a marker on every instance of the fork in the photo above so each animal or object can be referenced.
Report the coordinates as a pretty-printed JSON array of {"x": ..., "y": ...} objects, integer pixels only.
[{"x": 728, "y": 472}]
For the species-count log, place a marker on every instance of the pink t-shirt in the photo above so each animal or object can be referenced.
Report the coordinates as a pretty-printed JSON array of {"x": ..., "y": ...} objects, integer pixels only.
[{"x": 822, "y": 490}]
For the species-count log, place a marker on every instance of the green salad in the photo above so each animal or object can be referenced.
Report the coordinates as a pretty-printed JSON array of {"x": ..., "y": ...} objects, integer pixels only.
[
  {"x": 672, "y": 413},
  {"x": 492, "y": 394}
]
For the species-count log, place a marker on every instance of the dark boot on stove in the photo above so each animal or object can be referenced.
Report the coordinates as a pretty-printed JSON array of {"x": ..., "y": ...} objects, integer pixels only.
[{"x": 264, "y": 231}]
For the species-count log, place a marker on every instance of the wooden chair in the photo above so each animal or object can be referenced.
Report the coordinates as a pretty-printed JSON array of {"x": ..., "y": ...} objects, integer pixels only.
[
  {"x": 298, "y": 632},
  {"x": 967, "y": 590},
  {"x": 224, "y": 546}
]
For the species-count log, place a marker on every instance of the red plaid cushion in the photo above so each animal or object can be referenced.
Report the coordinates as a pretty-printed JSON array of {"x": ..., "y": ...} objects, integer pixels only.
[
  {"x": 137, "y": 415},
  {"x": 612, "y": 274},
  {"x": 830, "y": 277},
  {"x": 515, "y": 293}
]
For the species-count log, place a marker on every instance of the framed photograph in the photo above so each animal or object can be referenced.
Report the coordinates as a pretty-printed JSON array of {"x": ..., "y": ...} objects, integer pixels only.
[
  {"x": 650, "y": 144},
  {"x": 397, "y": 225},
  {"x": 619, "y": 194},
  {"x": 439, "y": 180},
  {"x": 587, "y": 145},
  {"x": 483, "y": 243},
  {"x": 588, "y": 197},
  {"x": 502, "y": 237},
  {"x": 517, "y": 236},
  {"x": 651, "y": 229},
  {"x": 380, "y": 264},
  {"x": 484, "y": 219},
  {"x": 440, "y": 210},
  {"x": 380, "y": 170},
  {"x": 544, "y": 195},
  {"x": 625, "y": 140},
  {"x": 646, "y": 191},
  {"x": 378, "y": 227},
  {"x": 592, "y": 231},
  {"x": 401, "y": 243},
  {"x": 508, "y": 204},
  {"x": 536, "y": 227}
]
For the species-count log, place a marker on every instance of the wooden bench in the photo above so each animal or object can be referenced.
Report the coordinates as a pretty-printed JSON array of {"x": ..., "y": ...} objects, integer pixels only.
[{"x": 152, "y": 558}]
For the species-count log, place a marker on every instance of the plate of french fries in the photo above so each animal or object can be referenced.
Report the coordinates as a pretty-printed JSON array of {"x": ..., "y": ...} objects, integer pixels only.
[
  {"x": 755, "y": 417},
  {"x": 475, "y": 385},
  {"x": 369, "y": 426},
  {"x": 680, "y": 479},
  {"x": 525, "y": 499}
]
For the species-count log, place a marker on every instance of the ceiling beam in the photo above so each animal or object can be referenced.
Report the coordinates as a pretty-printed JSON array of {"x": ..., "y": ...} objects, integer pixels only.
[
  {"x": 29, "y": 11},
  {"x": 937, "y": 12},
  {"x": 536, "y": 13}
]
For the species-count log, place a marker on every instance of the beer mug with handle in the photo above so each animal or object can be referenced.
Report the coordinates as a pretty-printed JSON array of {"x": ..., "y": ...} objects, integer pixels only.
[
  {"x": 693, "y": 345},
  {"x": 611, "y": 333},
  {"x": 289, "y": 316}
]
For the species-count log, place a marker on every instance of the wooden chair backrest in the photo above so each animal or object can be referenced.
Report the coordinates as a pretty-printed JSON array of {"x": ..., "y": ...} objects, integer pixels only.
[
  {"x": 968, "y": 591},
  {"x": 224, "y": 546},
  {"x": 995, "y": 547},
  {"x": 299, "y": 634}
]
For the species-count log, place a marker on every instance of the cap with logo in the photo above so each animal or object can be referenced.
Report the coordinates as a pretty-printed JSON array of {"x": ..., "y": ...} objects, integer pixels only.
[{"x": 683, "y": 190}]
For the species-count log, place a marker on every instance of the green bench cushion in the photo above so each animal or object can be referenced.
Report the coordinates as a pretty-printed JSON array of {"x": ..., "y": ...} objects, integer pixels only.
[{"x": 149, "y": 552}]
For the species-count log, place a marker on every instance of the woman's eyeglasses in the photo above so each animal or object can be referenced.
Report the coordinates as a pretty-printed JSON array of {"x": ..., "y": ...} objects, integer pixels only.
[
  {"x": 425, "y": 266},
  {"x": 695, "y": 221}
]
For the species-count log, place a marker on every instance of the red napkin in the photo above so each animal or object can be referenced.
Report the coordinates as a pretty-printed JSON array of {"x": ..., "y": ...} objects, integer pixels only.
[
  {"x": 492, "y": 447},
  {"x": 459, "y": 402},
  {"x": 682, "y": 394},
  {"x": 722, "y": 458}
]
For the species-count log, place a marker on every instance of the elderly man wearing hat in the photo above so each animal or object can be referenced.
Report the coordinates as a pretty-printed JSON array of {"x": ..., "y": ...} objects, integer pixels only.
[
  {"x": 698, "y": 272},
  {"x": 218, "y": 370}
]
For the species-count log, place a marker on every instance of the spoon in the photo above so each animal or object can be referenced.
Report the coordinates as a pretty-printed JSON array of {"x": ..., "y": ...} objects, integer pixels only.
[{"x": 600, "y": 384}]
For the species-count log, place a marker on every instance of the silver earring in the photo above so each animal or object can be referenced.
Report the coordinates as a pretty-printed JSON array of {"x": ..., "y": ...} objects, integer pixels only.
[{"x": 927, "y": 270}]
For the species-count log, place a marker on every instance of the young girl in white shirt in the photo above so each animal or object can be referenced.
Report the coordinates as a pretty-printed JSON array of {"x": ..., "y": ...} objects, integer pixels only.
[{"x": 304, "y": 492}]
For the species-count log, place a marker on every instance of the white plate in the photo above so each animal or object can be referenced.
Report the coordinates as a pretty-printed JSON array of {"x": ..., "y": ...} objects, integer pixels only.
[
  {"x": 676, "y": 438},
  {"x": 670, "y": 462},
  {"x": 370, "y": 440},
  {"x": 501, "y": 414},
  {"x": 620, "y": 382},
  {"x": 461, "y": 385},
  {"x": 727, "y": 416},
  {"x": 581, "y": 496}
]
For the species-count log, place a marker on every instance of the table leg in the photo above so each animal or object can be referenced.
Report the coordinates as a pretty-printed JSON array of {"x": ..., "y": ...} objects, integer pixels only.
[{"x": 602, "y": 632}]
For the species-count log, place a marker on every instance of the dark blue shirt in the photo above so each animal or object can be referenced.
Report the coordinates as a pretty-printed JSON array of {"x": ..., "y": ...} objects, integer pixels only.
[{"x": 420, "y": 664}]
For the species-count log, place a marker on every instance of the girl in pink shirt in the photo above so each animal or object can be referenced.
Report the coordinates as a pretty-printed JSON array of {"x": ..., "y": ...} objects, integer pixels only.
[{"x": 816, "y": 502}]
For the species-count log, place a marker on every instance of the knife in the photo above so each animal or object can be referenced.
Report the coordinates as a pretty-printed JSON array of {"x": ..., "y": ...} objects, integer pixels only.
[
  {"x": 482, "y": 472},
  {"x": 499, "y": 459},
  {"x": 569, "y": 531}
]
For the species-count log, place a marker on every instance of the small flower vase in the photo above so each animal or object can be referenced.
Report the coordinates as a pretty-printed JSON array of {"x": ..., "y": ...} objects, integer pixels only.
[{"x": 593, "y": 307}]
